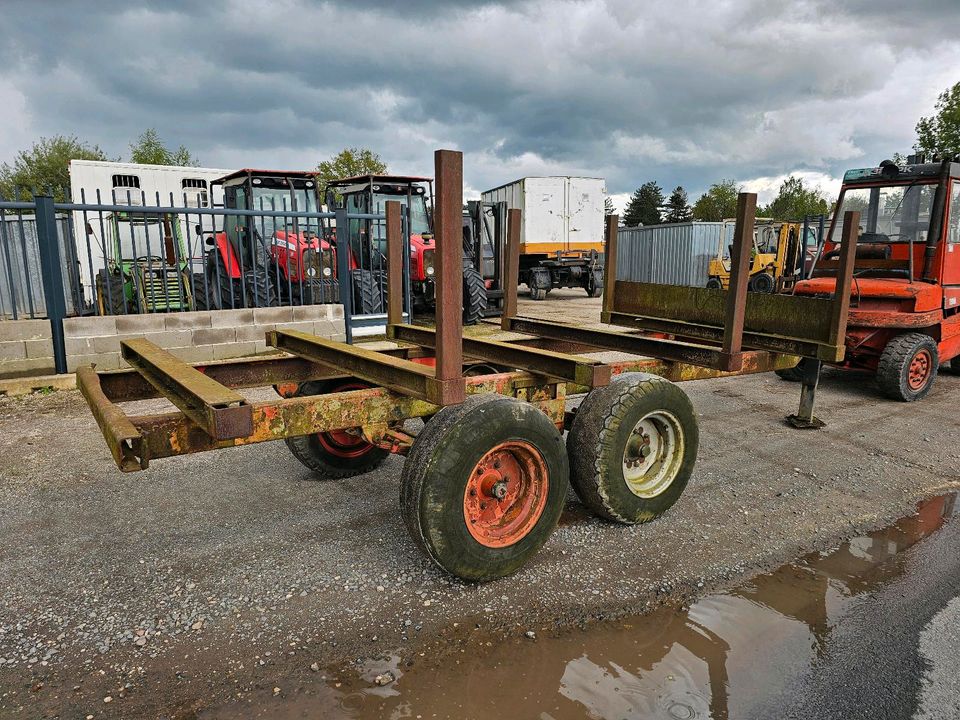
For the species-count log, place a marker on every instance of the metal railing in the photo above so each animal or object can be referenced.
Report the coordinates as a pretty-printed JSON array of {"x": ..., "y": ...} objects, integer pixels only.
[{"x": 97, "y": 258}]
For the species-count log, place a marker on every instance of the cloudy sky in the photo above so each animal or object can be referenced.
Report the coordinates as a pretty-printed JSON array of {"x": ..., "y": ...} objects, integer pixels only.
[{"x": 680, "y": 92}]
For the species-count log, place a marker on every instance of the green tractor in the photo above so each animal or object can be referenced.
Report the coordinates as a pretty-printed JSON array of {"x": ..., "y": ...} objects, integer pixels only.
[{"x": 146, "y": 265}]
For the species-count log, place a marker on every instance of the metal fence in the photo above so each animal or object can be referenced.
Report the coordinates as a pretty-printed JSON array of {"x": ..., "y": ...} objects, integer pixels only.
[{"x": 134, "y": 258}]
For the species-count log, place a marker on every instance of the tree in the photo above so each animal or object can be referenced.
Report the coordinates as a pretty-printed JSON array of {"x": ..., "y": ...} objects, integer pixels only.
[
  {"x": 347, "y": 163},
  {"x": 150, "y": 150},
  {"x": 940, "y": 133},
  {"x": 718, "y": 202},
  {"x": 678, "y": 207},
  {"x": 794, "y": 202},
  {"x": 644, "y": 206},
  {"x": 45, "y": 167},
  {"x": 608, "y": 208}
]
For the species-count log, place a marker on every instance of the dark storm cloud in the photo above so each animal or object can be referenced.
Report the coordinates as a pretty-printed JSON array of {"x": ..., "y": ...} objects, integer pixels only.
[{"x": 685, "y": 92}]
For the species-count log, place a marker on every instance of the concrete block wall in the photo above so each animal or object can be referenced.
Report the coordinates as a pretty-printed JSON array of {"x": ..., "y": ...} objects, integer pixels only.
[{"x": 26, "y": 348}]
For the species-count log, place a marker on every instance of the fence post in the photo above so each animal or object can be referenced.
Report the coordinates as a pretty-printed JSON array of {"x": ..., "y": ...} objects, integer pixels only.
[
  {"x": 343, "y": 271},
  {"x": 52, "y": 269}
]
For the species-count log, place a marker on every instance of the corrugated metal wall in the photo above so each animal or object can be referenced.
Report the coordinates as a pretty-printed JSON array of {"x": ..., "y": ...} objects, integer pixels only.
[
  {"x": 21, "y": 283},
  {"x": 677, "y": 254}
]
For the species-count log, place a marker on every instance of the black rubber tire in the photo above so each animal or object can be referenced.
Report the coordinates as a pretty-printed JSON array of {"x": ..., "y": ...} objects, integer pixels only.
[
  {"x": 435, "y": 475},
  {"x": 259, "y": 288},
  {"x": 223, "y": 293},
  {"x": 199, "y": 293},
  {"x": 594, "y": 287},
  {"x": 893, "y": 370},
  {"x": 367, "y": 295},
  {"x": 714, "y": 283},
  {"x": 474, "y": 296},
  {"x": 794, "y": 374},
  {"x": 762, "y": 283},
  {"x": 603, "y": 425},
  {"x": 110, "y": 297},
  {"x": 955, "y": 365},
  {"x": 538, "y": 293},
  {"x": 310, "y": 451}
]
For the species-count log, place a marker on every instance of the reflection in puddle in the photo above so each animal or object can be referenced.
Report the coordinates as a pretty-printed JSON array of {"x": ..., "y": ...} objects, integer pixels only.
[{"x": 714, "y": 660}]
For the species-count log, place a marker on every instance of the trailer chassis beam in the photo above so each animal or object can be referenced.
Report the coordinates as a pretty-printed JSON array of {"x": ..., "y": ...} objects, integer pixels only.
[
  {"x": 217, "y": 410},
  {"x": 562, "y": 366}
]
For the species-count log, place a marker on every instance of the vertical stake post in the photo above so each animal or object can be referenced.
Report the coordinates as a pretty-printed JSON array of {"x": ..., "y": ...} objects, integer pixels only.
[
  {"x": 394, "y": 265},
  {"x": 511, "y": 268},
  {"x": 732, "y": 345},
  {"x": 52, "y": 269},
  {"x": 448, "y": 231},
  {"x": 609, "y": 265},
  {"x": 343, "y": 271}
]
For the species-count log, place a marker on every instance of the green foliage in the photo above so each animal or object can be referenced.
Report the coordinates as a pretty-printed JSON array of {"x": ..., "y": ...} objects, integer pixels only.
[
  {"x": 608, "y": 207},
  {"x": 347, "y": 163},
  {"x": 678, "y": 207},
  {"x": 644, "y": 206},
  {"x": 45, "y": 167},
  {"x": 150, "y": 150},
  {"x": 718, "y": 202},
  {"x": 794, "y": 202},
  {"x": 940, "y": 133}
]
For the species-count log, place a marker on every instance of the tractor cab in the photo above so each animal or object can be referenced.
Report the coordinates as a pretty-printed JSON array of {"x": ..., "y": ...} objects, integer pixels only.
[
  {"x": 904, "y": 317},
  {"x": 263, "y": 256},
  {"x": 146, "y": 264},
  {"x": 368, "y": 194}
]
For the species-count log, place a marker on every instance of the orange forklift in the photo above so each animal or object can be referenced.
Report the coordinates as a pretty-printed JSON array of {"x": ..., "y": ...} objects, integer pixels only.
[{"x": 904, "y": 316}]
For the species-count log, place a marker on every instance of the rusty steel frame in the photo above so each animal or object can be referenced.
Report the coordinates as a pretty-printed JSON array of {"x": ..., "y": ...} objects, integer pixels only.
[
  {"x": 562, "y": 366},
  {"x": 218, "y": 410}
]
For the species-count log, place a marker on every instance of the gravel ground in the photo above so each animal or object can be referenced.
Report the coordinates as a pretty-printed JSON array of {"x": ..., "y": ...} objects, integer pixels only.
[{"x": 227, "y": 576}]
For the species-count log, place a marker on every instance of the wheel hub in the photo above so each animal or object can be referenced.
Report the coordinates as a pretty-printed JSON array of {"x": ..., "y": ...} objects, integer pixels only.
[
  {"x": 505, "y": 494},
  {"x": 653, "y": 454},
  {"x": 919, "y": 370}
]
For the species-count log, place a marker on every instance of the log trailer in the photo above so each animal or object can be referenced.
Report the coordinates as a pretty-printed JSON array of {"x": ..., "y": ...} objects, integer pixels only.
[{"x": 486, "y": 477}]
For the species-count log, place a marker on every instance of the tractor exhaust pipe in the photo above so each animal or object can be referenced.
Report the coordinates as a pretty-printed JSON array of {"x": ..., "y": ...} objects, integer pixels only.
[{"x": 936, "y": 222}]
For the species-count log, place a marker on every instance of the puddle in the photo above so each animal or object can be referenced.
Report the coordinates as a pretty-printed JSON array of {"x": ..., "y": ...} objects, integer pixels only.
[{"x": 713, "y": 660}]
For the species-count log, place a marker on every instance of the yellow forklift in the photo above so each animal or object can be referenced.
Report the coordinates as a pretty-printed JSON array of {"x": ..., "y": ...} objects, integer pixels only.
[{"x": 776, "y": 260}]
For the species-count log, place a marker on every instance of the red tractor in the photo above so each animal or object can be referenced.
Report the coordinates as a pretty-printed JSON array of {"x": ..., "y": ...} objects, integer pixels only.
[
  {"x": 904, "y": 318},
  {"x": 258, "y": 259},
  {"x": 367, "y": 194}
]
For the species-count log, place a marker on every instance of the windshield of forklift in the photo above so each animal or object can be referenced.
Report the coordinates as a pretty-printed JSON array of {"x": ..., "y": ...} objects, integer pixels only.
[
  {"x": 892, "y": 213},
  {"x": 419, "y": 220}
]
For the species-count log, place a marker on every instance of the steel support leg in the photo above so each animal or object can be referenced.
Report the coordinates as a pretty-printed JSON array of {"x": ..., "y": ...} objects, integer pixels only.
[{"x": 804, "y": 418}]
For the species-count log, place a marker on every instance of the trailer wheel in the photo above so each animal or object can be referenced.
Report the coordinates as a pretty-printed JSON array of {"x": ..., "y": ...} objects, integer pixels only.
[
  {"x": 538, "y": 293},
  {"x": 484, "y": 486},
  {"x": 762, "y": 283},
  {"x": 335, "y": 454},
  {"x": 908, "y": 367},
  {"x": 594, "y": 286},
  {"x": 474, "y": 296},
  {"x": 794, "y": 374},
  {"x": 632, "y": 447},
  {"x": 714, "y": 284}
]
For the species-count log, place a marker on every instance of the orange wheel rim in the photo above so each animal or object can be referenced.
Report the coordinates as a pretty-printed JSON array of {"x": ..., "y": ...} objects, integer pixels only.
[
  {"x": 919, "y": 370},
  {"x": 505, "y": 494},
  {"x": 341, "y": 442}
]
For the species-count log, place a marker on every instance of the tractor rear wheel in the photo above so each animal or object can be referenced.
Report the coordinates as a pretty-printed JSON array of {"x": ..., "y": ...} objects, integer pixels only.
[
  {"x": 110, "y": 294},
  {"x": 201, "y": 299},
  {"x": 337, "y": 453},
  {"x": 484, "y": 485},
  {"x": 474, "y": 296},
  {"x": 632, "y": 447},
  {"x": 762, "y": 283},
  {"x": 908, "y": 367},
  {"x": 367, "y": 296}
]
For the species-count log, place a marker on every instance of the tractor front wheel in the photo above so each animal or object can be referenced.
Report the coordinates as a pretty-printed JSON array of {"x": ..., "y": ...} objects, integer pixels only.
[
  {"x": 632, "y": 447},
  {"x": 484, "y": 485},
  {"x": 474, "y": 296},
  {"x": 336, "y": 453},
  {"x": 908, "y": 367}
]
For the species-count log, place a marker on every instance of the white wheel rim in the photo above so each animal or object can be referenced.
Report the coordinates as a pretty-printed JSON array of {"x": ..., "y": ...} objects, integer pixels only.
[{"x": 653, "y": 454}]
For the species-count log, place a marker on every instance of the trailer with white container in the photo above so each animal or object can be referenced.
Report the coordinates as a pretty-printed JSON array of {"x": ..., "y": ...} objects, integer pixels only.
[
  {"x": 115, "y": 183},
  {"x": 561, "y": 234}
]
